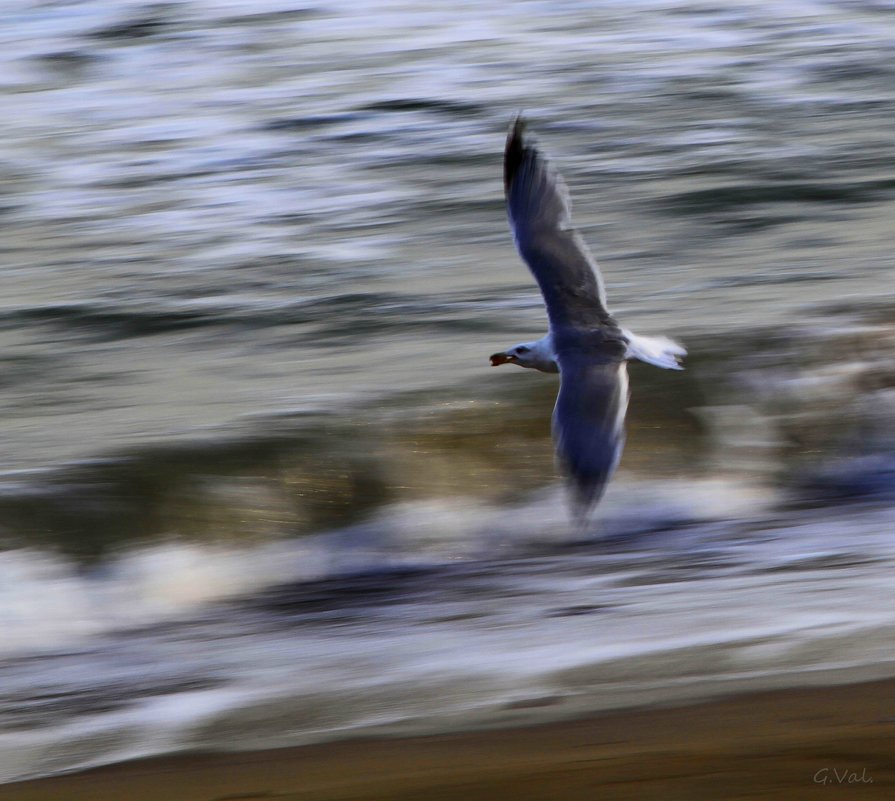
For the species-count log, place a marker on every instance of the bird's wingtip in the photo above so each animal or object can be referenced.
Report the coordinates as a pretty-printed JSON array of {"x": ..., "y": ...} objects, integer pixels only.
[{"x": 515, "y": 149}]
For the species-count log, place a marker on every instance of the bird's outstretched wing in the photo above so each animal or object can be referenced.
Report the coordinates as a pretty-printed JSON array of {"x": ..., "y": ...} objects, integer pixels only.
[
  {"x": 589, "y": 417},
  {"x": 540, "y": 216}
]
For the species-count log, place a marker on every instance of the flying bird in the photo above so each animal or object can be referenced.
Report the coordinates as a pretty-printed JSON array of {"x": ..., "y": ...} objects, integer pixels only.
[{"x": 584, "y": 344}]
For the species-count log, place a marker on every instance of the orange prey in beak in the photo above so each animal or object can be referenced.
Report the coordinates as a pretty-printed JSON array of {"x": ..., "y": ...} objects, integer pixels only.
[{"x": 498, "y": 359}]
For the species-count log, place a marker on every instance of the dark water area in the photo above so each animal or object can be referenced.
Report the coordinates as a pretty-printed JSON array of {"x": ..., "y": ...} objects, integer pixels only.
[{"x": 259, "y": 484}]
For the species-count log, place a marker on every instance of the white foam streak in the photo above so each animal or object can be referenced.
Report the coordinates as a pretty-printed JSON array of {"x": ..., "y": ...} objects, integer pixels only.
[
  {"x": 48, "y": 603},
  {"x": 693, "y": 593}
]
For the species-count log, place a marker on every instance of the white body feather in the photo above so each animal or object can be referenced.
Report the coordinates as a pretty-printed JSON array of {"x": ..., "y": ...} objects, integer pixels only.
[{"x": 659, "y": 351}]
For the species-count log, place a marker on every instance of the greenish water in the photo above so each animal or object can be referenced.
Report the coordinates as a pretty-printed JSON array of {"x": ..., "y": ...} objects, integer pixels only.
[{"x": 258, "y": 482}]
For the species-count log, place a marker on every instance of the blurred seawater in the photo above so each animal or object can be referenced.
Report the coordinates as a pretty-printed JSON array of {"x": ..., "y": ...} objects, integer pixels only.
[{"x": 254, "y": 260}]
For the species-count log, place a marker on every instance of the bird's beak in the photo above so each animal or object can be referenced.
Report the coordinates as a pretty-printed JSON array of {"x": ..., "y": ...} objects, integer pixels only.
[{"x": 498, "y": 359}]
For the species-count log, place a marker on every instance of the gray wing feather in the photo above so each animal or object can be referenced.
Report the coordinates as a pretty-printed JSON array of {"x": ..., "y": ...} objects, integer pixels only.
[
  {"x": 540, "y": 216},
  {"x": 588, "y": 425},
  {"x": 589, "y": 416}
]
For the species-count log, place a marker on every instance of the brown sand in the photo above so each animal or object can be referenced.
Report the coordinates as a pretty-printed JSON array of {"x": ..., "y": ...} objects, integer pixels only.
[{"x": 780, "y": 744}]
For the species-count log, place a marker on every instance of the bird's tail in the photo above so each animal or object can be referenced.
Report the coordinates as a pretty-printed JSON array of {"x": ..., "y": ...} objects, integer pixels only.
[{"x": 658, "y": 351}]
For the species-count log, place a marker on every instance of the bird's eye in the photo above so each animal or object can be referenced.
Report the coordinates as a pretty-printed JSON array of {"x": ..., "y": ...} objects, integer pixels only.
[{"x": 521, "y": 350}]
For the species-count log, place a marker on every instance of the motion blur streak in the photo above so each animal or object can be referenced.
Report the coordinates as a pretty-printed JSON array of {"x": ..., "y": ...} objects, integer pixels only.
[{"x": 259, "y": 484}]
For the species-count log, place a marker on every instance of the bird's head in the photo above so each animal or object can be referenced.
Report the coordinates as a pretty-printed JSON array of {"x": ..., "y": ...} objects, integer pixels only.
[{"x": 537, "y": 355}]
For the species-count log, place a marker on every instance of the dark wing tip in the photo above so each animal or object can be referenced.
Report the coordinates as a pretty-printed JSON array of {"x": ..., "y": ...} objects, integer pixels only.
[{"x": 514, "y": 154}]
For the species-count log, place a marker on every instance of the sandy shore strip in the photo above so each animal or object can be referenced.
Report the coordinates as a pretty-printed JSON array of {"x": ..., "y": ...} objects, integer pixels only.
[{"x": 789, "y": 744}]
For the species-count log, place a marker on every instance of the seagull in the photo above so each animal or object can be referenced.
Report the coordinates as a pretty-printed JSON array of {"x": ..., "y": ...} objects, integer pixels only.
[{"x": 584, "y": 344}]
